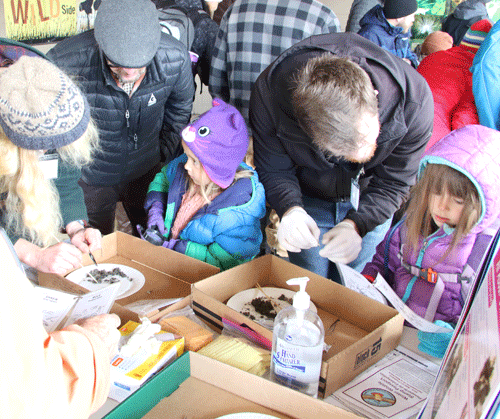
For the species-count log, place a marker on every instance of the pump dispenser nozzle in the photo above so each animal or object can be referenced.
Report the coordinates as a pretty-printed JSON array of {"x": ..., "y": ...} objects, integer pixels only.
[{"x": 301, "y": 299}]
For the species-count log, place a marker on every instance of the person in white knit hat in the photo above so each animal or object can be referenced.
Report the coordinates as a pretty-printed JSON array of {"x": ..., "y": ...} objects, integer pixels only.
[{"x": 46, "y": 136}]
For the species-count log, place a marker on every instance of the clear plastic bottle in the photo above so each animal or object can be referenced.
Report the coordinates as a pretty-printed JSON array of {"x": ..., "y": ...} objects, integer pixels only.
[{"x": 298, "y": 339}]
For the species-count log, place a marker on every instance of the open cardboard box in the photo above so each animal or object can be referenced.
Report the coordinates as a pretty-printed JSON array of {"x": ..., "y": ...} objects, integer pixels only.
[
  {"x": 360, "y": 330},
  {"x": 198, "y": 387},
  {"x": 168, "y": 274}
]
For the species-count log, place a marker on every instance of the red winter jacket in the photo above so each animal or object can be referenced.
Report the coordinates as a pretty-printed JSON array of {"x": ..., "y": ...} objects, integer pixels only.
[{"x": 448, "y": 75}]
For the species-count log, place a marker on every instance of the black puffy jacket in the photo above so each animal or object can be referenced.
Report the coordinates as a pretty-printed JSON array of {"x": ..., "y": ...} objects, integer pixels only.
[{"x": 131, "y": 129}]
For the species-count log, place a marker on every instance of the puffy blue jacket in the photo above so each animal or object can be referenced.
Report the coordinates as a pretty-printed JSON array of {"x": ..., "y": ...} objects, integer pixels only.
[
  {"x": 374, "y": 26},
  {"x": 225, "y": 233},
  {"x": 486, "y": 78}
]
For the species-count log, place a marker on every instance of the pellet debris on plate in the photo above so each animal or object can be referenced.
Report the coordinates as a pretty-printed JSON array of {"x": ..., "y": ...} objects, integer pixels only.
[
  {"x": 100, "y": 276},
  {"x": 264, "y": 307}
]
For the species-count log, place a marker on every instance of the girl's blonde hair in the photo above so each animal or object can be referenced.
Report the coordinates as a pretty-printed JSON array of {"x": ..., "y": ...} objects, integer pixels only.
[
  {"x": 212, "y": 188},
  {"x": 31, "y": 206},
  {"x": 437, "y": 179}
]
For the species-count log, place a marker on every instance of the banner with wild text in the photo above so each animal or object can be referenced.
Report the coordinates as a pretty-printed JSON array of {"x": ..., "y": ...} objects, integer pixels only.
[{"x": 39, "y": 21}]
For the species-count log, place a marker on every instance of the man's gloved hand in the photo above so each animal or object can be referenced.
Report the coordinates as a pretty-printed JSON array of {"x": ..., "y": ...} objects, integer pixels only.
[
  {"x": 297, "y": 230},
  {"x": 156, "y": 217},
  {"x": 342, "y": 243},
  {"x": 435, "y": 344}
]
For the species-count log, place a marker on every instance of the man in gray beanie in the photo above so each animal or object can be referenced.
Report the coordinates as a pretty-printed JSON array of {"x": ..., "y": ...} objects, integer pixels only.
[
  {"x": 139, "y": 84},
  {"x": 389, "y": 26}
]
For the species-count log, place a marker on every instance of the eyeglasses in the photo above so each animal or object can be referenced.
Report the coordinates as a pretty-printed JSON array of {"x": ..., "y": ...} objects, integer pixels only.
[{"x": 111, "y": 64}]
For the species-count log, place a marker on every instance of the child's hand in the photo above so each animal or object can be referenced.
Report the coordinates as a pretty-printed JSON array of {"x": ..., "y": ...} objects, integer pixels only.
[
  {"x": 156, "y": 217},
  {"x": 169, "y": 244}
]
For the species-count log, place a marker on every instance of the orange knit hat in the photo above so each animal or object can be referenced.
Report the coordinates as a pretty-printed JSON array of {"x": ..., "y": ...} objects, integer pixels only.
[{"x": 436, "y": 41}]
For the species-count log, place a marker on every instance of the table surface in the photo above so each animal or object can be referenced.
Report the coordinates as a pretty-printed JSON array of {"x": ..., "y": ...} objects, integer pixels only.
[{"x": 409, "y": 340}]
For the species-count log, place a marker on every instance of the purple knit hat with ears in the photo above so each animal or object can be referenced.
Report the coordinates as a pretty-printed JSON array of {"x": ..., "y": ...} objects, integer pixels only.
[{"x": 219, "y": 139}]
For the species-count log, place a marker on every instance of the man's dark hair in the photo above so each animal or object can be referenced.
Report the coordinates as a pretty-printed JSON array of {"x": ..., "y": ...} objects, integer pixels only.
[{"x": 330, "y": 96}]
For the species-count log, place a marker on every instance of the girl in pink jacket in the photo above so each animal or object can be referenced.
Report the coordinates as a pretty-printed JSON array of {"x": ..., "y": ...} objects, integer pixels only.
[{"x": 453, "y": 205}]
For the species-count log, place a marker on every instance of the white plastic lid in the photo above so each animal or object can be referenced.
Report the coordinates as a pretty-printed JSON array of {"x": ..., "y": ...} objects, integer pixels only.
[{"x": 301, "y": 299}]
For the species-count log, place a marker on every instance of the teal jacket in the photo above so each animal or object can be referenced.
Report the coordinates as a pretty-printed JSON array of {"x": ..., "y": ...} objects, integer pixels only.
[
  {"x": 224, "y": 233},
  {"x": 71, "y": 202},
  {"x": 486, "y": 77}
]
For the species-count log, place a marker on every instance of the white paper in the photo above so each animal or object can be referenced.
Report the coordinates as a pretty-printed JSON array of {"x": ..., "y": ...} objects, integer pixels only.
[
  {"x": 395, "y": 387},
  {"x": 58, "y": 305},
  {"x": 353, "y": 280},
  {"x": 143, "y": 307},
  {"x": 93, "y": 303},
  {"x": 410, "y": 316},
  {"x": 55, "y": 306}
]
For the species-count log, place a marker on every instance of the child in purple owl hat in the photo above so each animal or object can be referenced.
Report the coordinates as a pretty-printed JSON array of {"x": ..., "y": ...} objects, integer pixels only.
[{"x": 208, "y": 203}]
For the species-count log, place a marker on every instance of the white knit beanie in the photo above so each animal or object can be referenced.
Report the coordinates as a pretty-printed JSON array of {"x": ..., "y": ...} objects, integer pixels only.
[{"x": 40, "y": 106}]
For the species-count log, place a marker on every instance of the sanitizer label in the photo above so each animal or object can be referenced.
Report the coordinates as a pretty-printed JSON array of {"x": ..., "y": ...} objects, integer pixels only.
[{"x": 298, "y": 363}]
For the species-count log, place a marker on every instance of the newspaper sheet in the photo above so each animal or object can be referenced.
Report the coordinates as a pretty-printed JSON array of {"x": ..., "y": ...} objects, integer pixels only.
[{"x": 395, "y": 387}]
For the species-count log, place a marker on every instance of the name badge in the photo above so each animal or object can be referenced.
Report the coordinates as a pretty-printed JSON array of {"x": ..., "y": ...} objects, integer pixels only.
[
  {"x": 354, "y": 194},
  {"x": 49, "y": 163}
]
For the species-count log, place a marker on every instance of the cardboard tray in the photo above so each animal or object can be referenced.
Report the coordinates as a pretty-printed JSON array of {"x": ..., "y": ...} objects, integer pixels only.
[
  {"x": 198, "y": 387},
  {"x": 168, "y": 274},
  {"x": 361, "y": 331}
]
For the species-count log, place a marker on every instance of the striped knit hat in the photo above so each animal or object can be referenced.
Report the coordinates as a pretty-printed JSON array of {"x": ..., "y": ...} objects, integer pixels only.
[
  {"x": 475, "y": 35},
  {"x": 40, "y": 106}
]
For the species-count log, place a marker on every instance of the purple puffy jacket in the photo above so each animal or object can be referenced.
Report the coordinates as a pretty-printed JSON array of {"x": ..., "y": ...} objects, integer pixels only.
[{"x": 475, "y": 151}]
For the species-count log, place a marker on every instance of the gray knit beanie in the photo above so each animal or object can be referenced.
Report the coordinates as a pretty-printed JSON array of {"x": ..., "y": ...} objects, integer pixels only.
[
  {"x": 128, "y": 31},
  {"x": 40, "y": 107},
  {"x": 394, "y": 9}
]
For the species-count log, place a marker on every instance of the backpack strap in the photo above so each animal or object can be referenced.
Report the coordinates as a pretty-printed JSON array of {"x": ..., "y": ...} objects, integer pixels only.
[
  {"x": 197, "y": 15},
  {"x": 466, "y": 278},
  {"x": 387, "y": 246},
  {"x": 469, "y": 273},
  {"x": 175, "y": 21},
  {"x": 482, "y": 244}
]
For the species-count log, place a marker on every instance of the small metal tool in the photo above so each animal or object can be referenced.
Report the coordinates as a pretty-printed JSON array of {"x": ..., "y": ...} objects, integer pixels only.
[{"x": 93, "y": 258}]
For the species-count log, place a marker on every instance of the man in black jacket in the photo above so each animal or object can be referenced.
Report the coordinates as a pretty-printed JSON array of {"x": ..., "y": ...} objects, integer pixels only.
[
  {"x": 339, "y": 126},
  {"x": 140, "y": 87}
]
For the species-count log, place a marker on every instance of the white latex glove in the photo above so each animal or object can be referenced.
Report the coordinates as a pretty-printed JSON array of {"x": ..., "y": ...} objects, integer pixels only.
[
  {"x": 342, "y": 243},
  {"x": 297, "y": 230}
]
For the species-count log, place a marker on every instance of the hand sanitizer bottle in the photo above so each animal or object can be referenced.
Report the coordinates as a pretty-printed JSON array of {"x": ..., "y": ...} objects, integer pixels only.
[{"x": 298, "y": 338}]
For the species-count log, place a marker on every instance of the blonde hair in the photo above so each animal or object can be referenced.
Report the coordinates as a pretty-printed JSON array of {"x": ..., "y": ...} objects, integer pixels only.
[
  {"x": 436, "y": 179},
  {"x": 211, "y": 188},
  {"x": 31, "y": 206}
]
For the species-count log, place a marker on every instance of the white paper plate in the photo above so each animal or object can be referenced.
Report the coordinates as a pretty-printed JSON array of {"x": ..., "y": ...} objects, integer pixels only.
[
  {"x": 247, "y": 415},
  {"x": 131, "y": 284},
  {"x": 242, "y": 302}
]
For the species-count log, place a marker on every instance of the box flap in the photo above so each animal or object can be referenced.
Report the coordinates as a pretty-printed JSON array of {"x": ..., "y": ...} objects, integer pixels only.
[
  {"x": 215, "y": 389},
  {"x": 270, "y": 270},
  {"x": 176, "y": 264}
]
